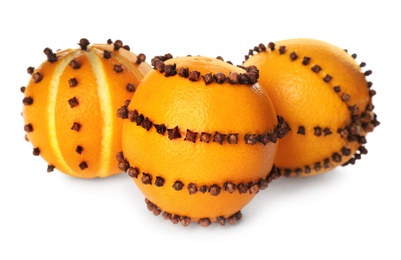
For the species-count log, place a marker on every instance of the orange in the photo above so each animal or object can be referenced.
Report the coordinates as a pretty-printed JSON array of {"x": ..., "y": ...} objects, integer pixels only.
[
  {"x": 70, "y": 103},
  {"x": 324, "y": 96},
  {"x": 199, "y": 139}
]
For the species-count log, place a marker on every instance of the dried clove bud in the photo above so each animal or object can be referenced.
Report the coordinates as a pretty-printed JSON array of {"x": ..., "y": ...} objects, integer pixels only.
[
  {"x": 170, "y": 70},
  {"x": 50, "y": 168},
  {"x": 337, "y": 89},
  {"x": 183, "y": 72},
  {"x": 242, "y": 188},
  {"x": 83, "y": 165},
  {"x": 173, "y": 133},
  {"x": 185, "y": 221},
  {"x": 214, "y": 190},
  {"x": 76, "y": 126},
  {"x": 204, "y": 222},
  {"x": 192, "y": 188},
  {"x": 230, "y": 187},
  {"x": 28, "y": 128},
  {"x": 30, "y": 70},
  {"x": 159, "y": 182},
  {"x": 83, "y": 43},
  {"x": 327, "y": 131},
  {"x": 232, "y": 138},
  {"x": 146, "y": 123},
  {"x": 132, "y": 115},
  {"x": 79, "y": 149},
  {"x": 27, "y": 101},
  {"x": 317, "y": 166},
  {"x": 133, "y": 172},
  {"x": 301, "y": 130},
  {"x": 232, "y": 78},
  {"x": 117, "y": 45},
  {"x": 243, "y": 78},
  {"x": 118, "y": 68},
  {"x": 316, "y": 68},
  {"x": 204, "y": 189},
  {"x": 72, "y": 82},
  {"x": 205, "y": 137},
  {"x": 219, "y": 138},
  {"x": 130, "y": 87},
  {"x": 264, "y": 138},
  {"x": 293, "y": 56},
  {"x": 161, "y": 129},
  {"x": 146, "y": 178},
  {"x": 75, "y": 64},
  {"x": 306, "y": 60},
  {"x": 123, "y": 165},
  {"x": 219, "y": 77},
  {"x": 251, "y": 138},
  {"x": 47, "y": 51},
  {"x": 254, "y": 188},
  {"x": 159, "y": 65},
  {"x": 37, "y": 77},
  {"x": 327, "y": 78},
  {"x": 221, "y": 221},
  {"x": 194, "y": 75},
  {"x": 120, "y": 156},
  {"x": 141, "y": 58},
  {"x": 208, "y": 78},
  {"x": 73, "y": 102},
  {"x": 36, "y": 151},
  {"x": 317, "y": 131},
  {"x": 106, "y": 54},
  {"x": 178, "y": 185},
  {"x": 336, "y": 157},
  {"x": 191, "y": 136}
]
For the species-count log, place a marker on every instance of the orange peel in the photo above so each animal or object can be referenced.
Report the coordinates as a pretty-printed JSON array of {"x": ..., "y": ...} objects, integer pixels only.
[
  {"x": 326, "y": 99},
  {"x": 69, "y": 106},
  {"x": 199, "y": 139}
]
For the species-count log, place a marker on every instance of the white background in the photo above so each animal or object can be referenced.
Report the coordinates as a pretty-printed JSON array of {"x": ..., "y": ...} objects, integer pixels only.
[{"x": 349, "y": 213}]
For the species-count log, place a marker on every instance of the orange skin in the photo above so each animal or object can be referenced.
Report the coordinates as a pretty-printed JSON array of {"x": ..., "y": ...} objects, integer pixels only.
[
  {"x": 329, "y": 93},
  {"x": 195, "y": 106},
  {"x": 99, "y": 92}
]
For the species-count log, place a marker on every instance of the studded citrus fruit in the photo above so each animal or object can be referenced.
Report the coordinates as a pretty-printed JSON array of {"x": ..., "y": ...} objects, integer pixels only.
[
  {"x": 199, "y": 139},
  {"x": 70, "y": 103},
  {"x": 324, "y": 95}
]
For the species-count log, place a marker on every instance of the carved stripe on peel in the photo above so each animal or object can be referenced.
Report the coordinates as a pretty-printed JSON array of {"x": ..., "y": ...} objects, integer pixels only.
[{"x": 279, "y": 131}]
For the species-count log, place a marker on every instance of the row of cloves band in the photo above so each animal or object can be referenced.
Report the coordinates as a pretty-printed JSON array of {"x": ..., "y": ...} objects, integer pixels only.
[
  {"x": 185, "y": 221},
  {"x": 139, "y": 119},
  {"x": 315, "y": 68},
  {"x": 326, "y": 163},
  {"x": 349, "y": 133},
  {"x": 146, "y": 178},
  {"x": 250, "y": 76},
  {"x": 205, "y": 221}
]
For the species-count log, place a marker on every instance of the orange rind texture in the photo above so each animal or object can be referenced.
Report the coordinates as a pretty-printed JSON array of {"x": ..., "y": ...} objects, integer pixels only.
[
  {"x": 199, "y": 139},
  {"x": 69, "y": 106},
  {"x": 326, "y": 99}
]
